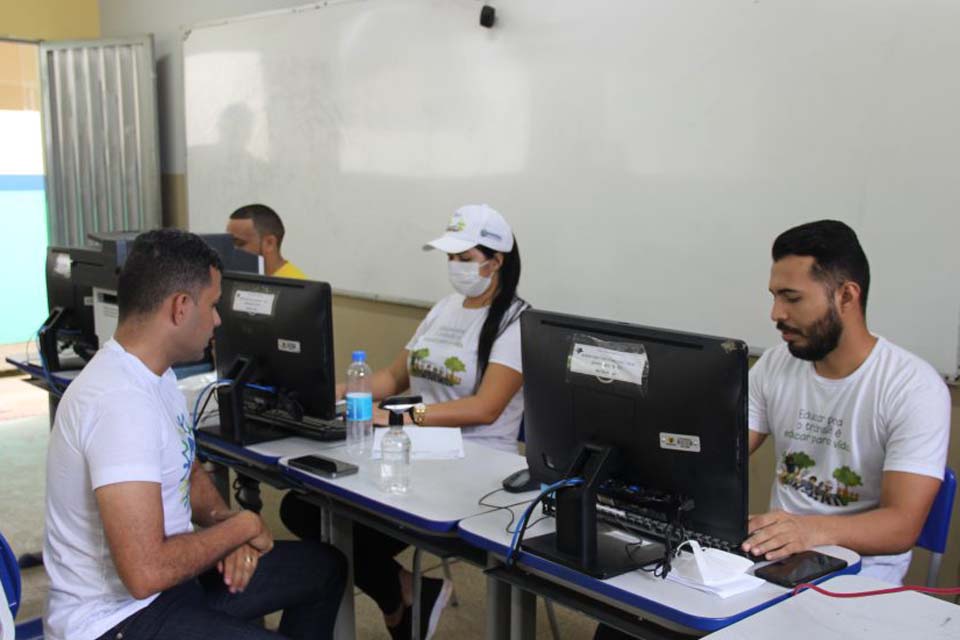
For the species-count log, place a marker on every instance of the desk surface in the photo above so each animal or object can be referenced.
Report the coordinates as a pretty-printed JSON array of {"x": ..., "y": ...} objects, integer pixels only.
[
  {"x": 64, "y": 377},
  {"x": 442, "y": 492},
  {"x": 812, "y": 615},
  {"x": 35, "y": 369},
  {"x": 660, "y": 600}
]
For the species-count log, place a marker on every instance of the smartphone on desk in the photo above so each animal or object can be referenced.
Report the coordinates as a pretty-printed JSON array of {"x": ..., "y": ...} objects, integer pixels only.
[
  {"x": 799, "y": 568},
  {"x": 323, "y": 466}
]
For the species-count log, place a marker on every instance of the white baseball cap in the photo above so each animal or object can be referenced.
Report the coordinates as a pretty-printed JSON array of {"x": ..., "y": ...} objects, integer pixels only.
[{"x": 474, "y": 224}]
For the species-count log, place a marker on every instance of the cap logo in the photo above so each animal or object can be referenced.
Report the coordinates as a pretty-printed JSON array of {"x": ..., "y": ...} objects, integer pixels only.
[
  {"x": 490, "y": 234},
  {"x": 457, "y": 224}
]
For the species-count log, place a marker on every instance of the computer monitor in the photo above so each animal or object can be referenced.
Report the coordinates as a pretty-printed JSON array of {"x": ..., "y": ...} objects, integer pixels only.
[
  {"x": 233, "y": 259},
  {"x": 658, "y": 414},
  {"x": 278, "y": 333},
  {"x": 70, "y": 321}
]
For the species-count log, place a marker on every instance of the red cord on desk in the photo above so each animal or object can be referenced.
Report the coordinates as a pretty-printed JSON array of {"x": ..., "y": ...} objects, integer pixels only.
[{"x": 876, "y": 592}]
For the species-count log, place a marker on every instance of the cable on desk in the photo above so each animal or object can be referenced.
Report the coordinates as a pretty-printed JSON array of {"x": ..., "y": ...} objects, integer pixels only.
[
  {"x": 212, "y": 387},
  {"x": 943, "y": 591},
  {"x": 661, "y": 568},
  {"x": 506, "y": 507},
  {"x": 525, "y": 516}
]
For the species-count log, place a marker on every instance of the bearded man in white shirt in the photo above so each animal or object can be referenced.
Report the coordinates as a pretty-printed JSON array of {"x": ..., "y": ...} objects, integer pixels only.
[{"x": 860, "y": 425}]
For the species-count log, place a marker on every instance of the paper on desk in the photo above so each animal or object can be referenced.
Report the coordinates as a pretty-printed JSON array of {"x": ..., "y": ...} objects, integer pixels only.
[
  {"x": 735, "y": 586},
  {"x": 291, "y": 447},
  {"x": 427, "y": 443}
]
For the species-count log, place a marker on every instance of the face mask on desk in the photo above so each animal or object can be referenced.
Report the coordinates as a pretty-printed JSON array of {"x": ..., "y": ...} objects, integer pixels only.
[
  {"x": 466, "y": 279},
  {"x": 709, "y": 566}
]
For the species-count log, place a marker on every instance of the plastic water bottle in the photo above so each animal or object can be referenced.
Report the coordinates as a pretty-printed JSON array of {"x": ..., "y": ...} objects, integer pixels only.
[
  {"x": 395, "y": 459},
  {"x": 359, "y": 406}
]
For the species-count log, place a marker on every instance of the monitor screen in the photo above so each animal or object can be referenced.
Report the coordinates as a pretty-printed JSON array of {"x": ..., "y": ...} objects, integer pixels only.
[
  {"x": 672, "y": 405},
  {"x": 233, "y": 259},
  {"x": 284, "y": 329}
]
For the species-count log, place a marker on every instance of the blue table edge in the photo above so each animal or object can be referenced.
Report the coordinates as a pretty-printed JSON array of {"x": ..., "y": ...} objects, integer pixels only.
[
  {"x": 633, "y": 600},
  {"x": 242, "y": 454}
]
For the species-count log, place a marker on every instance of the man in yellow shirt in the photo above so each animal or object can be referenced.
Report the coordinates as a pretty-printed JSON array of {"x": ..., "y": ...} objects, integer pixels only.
[{"x": 257, "y": 229}]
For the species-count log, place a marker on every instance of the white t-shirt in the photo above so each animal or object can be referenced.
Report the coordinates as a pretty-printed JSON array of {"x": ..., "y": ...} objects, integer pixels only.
[
  {"x": 443, "y": 363},
  {"x": 117, "y": 422},
  {"x": 835, "y": 438}
]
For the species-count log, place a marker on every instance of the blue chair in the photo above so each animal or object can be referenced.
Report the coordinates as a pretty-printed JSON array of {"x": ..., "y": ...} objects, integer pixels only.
[
  {"x": 935, "y": 530},
  {"x": 10, "y": 581}
]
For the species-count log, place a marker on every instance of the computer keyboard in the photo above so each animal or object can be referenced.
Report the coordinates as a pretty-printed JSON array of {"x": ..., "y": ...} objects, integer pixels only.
[
  {"x": 655, "y": 529},
  {"x": 308, "y": 426},
  {"x": 651, "y": 528}
]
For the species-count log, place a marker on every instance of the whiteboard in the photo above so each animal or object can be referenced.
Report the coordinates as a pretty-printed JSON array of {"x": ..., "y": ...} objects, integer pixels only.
[{"x": 646, "y": 152}]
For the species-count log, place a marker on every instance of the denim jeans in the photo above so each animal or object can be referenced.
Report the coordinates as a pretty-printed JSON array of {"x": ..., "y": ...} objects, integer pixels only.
[{"x": 304, "y": 579}]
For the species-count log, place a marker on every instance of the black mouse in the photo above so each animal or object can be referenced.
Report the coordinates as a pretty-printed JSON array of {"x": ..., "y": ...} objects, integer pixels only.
[{"x": 520, "y": 482}]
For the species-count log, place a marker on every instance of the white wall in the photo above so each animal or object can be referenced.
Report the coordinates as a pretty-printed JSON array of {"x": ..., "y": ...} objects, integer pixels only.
[{"x": 166, "y": 20}]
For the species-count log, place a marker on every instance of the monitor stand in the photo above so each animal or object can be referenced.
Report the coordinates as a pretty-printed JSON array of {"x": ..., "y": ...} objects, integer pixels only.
[
  {"x": 47, "y": 337},
  {"x": 230, "y": 398},
  {"x": 575, "y": 543}
]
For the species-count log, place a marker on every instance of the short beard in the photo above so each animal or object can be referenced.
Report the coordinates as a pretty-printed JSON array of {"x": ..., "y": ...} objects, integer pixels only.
[{"x": 822, "y": 338}]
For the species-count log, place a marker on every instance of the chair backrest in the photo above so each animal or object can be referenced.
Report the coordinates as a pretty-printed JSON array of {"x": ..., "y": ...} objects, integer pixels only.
[
  {"x": 9, "y": 575},
  {"x": 937, "y": 527},
  {"x": 10, "y": 583}
]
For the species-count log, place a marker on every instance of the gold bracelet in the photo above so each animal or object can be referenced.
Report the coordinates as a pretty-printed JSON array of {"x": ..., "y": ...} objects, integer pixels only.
[{"x": 419, "y": 413}]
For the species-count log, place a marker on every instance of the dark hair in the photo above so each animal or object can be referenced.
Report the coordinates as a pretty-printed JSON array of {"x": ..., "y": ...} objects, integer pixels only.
[
  {"x": 504, "y": 298},
  {"x": 835, "y": 249},
  {"x": 265, "y": 220},
  {"x": 161, "y": 263}
]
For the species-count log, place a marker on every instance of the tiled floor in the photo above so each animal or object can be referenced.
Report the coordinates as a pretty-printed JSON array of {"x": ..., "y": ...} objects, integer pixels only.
[{"x": 23, "y": 442}]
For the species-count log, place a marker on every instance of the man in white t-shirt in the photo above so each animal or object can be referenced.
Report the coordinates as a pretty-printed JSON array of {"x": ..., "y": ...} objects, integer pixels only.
[
  {"x": 123, "y": 485},
  {"x": 860, "y": 425}
]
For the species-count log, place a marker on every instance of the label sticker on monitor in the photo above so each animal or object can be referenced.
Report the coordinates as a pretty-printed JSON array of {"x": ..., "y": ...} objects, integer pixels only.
[
  {"x": 290, "y": 346},
  {"x": 680, "y": 442},
  {"x": 608, "y": 365},
  {"x": 254, "y": 302},
  {"x": 62, "y": 265}
]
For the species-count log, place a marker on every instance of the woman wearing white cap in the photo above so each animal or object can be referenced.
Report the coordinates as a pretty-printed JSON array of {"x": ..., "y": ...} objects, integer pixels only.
[{"x": 464, "y": 359}]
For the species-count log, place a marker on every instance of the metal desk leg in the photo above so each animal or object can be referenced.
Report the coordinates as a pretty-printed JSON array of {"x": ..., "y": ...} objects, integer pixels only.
[
  {"x": 498, "y": 606},
  {"x": 417, "y": 585},
  {"x": 523, "y": 614},
  {"x": 341, "y": 536}
]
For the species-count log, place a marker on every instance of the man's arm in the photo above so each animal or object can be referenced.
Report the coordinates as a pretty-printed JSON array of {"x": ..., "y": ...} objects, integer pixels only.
[
  {"x": 146, "y": 560},
  {"x": 892, "y": 527},
  {"x": 209, "y": 508},
  {"x": 756, "y": 439},
  {"x": 206, "y": 502}
]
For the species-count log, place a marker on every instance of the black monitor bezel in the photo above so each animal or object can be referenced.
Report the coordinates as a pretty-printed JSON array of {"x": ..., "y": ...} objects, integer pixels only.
[{"x": 551, "y": 434}]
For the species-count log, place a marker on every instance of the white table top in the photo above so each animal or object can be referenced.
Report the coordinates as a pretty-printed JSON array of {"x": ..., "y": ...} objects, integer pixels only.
[
  {"x": 666, "y": 601},
  {"x": 442, "y": 492},
  {"x": 887, "y": 617}
]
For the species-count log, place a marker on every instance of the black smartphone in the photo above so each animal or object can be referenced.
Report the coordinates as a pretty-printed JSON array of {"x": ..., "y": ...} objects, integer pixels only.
[
  {"x": 799, "y": 568},
  {"x": 322, "y": 466}
]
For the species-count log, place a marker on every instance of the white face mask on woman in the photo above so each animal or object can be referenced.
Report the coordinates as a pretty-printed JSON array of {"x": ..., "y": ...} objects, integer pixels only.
[{"x": 466, "y": 279}]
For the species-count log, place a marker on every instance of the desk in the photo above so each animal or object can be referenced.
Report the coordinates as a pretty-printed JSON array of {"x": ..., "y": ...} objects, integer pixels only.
[
  {"x": 888, "y": 617},
  {"x": 619, "y": 601},
  {"x": 443, "y": 492}
]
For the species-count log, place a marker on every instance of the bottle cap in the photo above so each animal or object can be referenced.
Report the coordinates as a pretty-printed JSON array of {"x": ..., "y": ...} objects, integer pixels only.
[{"x": 360, "y": 355}]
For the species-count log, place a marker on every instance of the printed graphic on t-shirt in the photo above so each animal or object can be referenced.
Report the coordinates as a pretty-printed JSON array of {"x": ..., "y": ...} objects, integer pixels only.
[
  {"x": 819, "y": 429},
  {"x": 837, "y": 492},
  {"x": 188, "y": 449},
  {"x": 447, "y": 335},
  {"x": 422, "y": 367}
]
